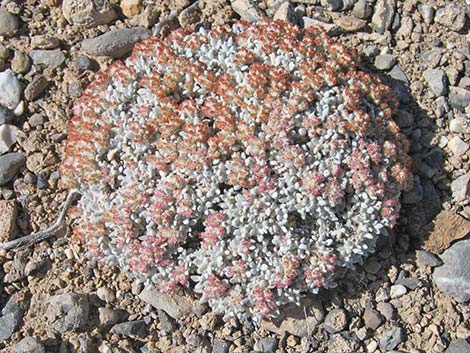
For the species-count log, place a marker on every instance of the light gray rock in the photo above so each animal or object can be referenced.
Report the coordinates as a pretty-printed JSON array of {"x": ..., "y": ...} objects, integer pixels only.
[
  {"x": 105, "y": 294},
  {"x": 53, "y": 58},
  {"x": 67, "y": 312},
  {"x": 387, "y": 310},
  {"x": 335, "y": 321},
  {"x": 35, "y": 88},
  {"x": 460, "y": 124},
  {"x": 397, "y": 291},
  {"x": 453, "y": 277},
  {"x": 330, "y": 28},
  {"x": 10, "y": 89},
  {"x": 390, "y": 339},
  {"x": 8, "y": 24},
  {"x": 247, "y": 10},
  {"x": 28, "y": 345},
  {"x": 451, "y": 16},
  {"x": 460, "y": 189},
  {"x": 415, "y": 195},
  {"x": 384, "y": 61},
  {"x": 130, "y": 328},
  {"x": 384, "y": 13},
  {"x": 362, "y": 9},
  {"x": 437, "y": 81},
  {"x": 116, "y": 43},
  {"x": 10, "y": 165},
  {"x": 457, "y": 146},
  {"x": 166, "y": 323},
  {"x": 459, "y": 346},
  {"x": 459, "y": 98},
  {"x": 427, "y": 13},
  {"x": 8, "y": 135},
  {"x": 90, "y": 13}
]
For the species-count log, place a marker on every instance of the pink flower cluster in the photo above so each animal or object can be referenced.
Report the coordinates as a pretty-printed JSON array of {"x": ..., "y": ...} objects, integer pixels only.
[{"x": 247, "y": 162}]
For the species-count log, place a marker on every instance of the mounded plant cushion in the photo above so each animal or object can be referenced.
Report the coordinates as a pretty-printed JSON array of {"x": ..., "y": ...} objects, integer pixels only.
[{"x": 246, "y": 162}]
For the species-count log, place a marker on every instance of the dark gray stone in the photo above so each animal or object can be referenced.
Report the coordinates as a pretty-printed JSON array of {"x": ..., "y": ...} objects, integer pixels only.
[
  {"x": 268, "y": 344},
  {"x": 67, "y": 312},
  {"x": 415, "y": 195},
  {"x": 453, "y": 277},
  {"x": 6, "y": 115},
  {"x": 116, "y": 43},
  {"x": 410, "y": 282},
  {"x": 427, "y": 258},
  {"x": 109, "y": 317},
  {"x": 12, "y": 314},
  {"x": 459, "y": 346},
  {"x": 390, "y": 339},
  {"x": 10, "y": 165},
  {"x": 130, "y": 328}
]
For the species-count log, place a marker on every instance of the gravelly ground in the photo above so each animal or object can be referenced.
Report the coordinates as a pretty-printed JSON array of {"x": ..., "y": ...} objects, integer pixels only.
[{"x": 391, "y": 303}]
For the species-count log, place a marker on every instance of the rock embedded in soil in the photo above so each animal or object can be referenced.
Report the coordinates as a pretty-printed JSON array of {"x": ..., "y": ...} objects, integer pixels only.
[
  {"x": 28, "y": 345},
  {"x": 335, "y": 321},
  {"x": 459, "y": 98},
  {"x": 453, "y": 277},
  {"x": 362, "y": 9},
  {"x": 460, "y": 124},
  {"x": 106, "y": 294},
  {"x": 8, "y": 212},
  {"x": 220, "y": 346},
  {"x": 36, "y": 87},
  {"x": 294, "y": 320},
  {"x": 349, "y": 23},
  {"x": 109, "y": 317},
  {"x": 268, "y": 344},
  {"x": 437, "y": 81},
  {"x": 391, "y": 338},
  {"x": 176, "y": 306},
  {"x": 286, "y": 12},
  {"x": 8, "y": 136},
  {"x": 116, "y": 43},
  {"x": 448, "y": 227},
  {"x": 10, "y": 165},
  {"x": 20, "y": 63},
  {"x": 451, "y": 16},
  {"x": 130, "y": 328},
  {"x": 131, "y": 8},
  {"x": 52, "y": 58},
  {"x": 6, "y": 115},
  {"x": 8, "y": 24},
  {"x": 89, "y": 13},
  {"x": 10, "y": 89},
  {"x": 387, "y": 310},
  {"x": 166, "y": 323},
  {"x": 68, "y": 312},
  {"x": 44, "y": 42},
  {"x": 190, "y": 15}
]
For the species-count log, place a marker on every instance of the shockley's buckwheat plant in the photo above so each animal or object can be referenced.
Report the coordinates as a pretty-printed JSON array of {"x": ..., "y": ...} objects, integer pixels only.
[{"x": 246, "y": 162}]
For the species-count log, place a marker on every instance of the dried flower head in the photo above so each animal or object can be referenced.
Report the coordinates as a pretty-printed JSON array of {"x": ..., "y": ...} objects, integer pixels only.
[{"x": 247, "y": 162}]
